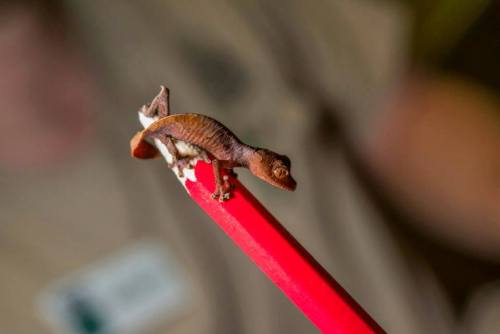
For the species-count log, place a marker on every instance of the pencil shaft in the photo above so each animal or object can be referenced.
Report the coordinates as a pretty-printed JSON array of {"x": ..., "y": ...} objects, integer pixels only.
[
  {"x": 266, "y": 242},
  {"x": 274, "y": 250}
]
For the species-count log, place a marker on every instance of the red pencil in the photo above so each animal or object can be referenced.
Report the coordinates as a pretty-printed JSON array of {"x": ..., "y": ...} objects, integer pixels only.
[{"x": 276, "y": 252}]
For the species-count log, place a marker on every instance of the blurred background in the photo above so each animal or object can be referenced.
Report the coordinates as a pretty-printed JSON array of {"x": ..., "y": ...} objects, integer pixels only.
[{"x": 388, "y": 110}]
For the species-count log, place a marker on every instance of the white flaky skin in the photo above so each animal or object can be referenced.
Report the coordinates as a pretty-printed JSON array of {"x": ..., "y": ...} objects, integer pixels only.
[{"x": 185, "y": 150}]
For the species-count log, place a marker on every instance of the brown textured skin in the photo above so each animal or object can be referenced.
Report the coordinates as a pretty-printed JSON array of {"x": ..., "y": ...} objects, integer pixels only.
[
  {"x": 204, "y": 132},
  {"x": 213, "y": 137}
]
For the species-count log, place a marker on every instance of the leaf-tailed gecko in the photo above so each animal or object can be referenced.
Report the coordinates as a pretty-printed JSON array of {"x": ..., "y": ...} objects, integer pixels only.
[{"x": 225, "y": 149}]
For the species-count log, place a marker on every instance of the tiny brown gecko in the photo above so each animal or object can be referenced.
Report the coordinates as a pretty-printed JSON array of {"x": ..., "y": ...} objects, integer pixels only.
[{"x": 225, "y": 149}]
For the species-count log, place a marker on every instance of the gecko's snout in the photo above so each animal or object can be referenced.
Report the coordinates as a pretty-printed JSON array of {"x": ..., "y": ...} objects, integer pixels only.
[
  {"x": 274, "y": 169},
  {"x": 291, "y": 184}
]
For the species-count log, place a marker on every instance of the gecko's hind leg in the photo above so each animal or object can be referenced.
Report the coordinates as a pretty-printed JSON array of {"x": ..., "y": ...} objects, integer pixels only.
[
  {"x": 160, "y": 106},
  {"x": 181, "y": 164},
  {"x": 177, "y": 160}
]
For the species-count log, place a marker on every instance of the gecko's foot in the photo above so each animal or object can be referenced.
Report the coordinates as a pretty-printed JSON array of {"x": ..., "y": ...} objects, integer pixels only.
[
  {"x": 175, "y": 164},
  {"x": 225, "y": 196},
  {"x": 221, "y": 195}
]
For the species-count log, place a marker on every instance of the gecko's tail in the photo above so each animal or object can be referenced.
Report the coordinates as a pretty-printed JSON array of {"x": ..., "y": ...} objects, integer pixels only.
[{"x": 140, "y": 148}]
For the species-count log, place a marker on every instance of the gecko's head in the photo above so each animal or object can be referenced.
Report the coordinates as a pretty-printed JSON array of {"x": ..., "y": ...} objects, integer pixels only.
[{"x": 272, "y": 168}]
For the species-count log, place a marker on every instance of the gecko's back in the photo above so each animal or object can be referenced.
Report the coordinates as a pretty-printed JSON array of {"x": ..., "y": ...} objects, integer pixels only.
[{"x": 199, "y": 130}]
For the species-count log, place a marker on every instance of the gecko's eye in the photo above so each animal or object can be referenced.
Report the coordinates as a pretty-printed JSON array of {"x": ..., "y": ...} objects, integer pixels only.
[{"x": 280, "y": 172}]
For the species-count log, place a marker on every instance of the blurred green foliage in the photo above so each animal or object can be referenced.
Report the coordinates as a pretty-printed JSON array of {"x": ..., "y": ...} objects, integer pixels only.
[{"x": 440, "y": 24}]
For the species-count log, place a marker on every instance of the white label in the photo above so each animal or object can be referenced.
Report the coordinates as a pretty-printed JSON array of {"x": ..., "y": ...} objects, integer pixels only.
[{"x": 123, "y": 294}]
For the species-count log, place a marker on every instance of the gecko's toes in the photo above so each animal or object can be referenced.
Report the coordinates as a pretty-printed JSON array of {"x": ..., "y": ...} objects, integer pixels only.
[
  {"x": 185, "y": 163},
  {"x": 224, "y": 197}
]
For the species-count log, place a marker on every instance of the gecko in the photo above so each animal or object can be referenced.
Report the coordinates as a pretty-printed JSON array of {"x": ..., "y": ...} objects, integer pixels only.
[{"x": 224, "y": 148}]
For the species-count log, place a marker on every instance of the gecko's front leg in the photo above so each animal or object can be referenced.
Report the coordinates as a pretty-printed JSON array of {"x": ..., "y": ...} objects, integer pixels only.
[{"x": 222, "y": 185}]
